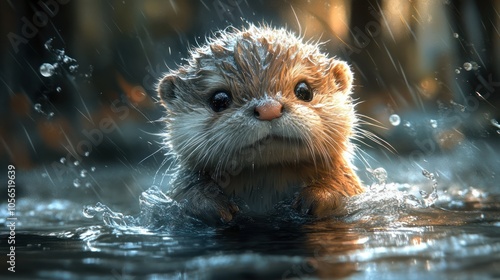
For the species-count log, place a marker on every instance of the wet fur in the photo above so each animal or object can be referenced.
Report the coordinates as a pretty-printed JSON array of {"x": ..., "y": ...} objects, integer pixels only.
[{"x": 231, "y": 160}]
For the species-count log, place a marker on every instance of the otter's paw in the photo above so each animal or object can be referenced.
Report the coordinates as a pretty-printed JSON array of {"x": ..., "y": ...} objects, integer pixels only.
[
  {"x": 320, "y": 202},
  {"x": 212, "y": 207}
]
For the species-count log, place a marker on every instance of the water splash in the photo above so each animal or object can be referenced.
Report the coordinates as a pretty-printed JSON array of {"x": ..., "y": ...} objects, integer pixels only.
[
  {"x": 158, "y": 212},
  {"x": 62, "y": 64},
  {"x": 428, "y": 199},
  {"x": 389, "y": 204},
  {"x": 109, "y": 217},
  {"x": 383, "y": 204},
  {"x": 380, "y": 175}
]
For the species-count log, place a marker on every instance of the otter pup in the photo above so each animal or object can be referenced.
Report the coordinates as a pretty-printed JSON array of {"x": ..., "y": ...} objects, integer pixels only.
[{"x": 255, "y": 116}]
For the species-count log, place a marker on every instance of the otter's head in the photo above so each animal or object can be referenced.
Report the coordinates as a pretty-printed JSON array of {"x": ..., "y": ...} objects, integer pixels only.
[{"x": 258, "y": 97}]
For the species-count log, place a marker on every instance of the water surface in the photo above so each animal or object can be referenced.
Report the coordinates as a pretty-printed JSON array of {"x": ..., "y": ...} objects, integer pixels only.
[{"x": 426, "y": 225}]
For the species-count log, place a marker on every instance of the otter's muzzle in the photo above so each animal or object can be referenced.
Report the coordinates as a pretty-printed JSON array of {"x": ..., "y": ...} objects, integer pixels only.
[{"x": 268, "y": 110}]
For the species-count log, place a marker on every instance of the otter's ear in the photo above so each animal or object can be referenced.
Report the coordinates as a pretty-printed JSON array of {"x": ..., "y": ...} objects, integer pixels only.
[
  {"x": 340, "y": 73},
  {"x": 166, "y": 88}
]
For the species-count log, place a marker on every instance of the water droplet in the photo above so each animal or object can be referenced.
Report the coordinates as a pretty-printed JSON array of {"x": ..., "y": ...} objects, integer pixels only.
[
  {"x": 67, "y": 59},
  {"x": 434, "y": 123},
  {"x": 45, "y": 175},
  {"x": 406, "y": 124},
  {"x": 73, "y": 68},
  {"x": 89, "y": 211},
  {"x": 76, "y": 163},
  {"x": 474, "y": 64},
  {"x": 394, "y": 119},
  {"x": 58, "y": 89},
  {"x": 50, "y": 115},
  {"x": 77, "y": 183},
  {"x": 83, "y": 173},
  {"x": 495, "y": 123},
  {"x": 467, "y": 66},
  {"x": 48, "y": 69},
  {"x": 429, "y": 199},
  {"x": 457, "y": 71},
  {"x": 380, "y": 174},
  {"x": 62, "y": 160},
  {"x": 88, "y": 184},
  {"x": 455, "y": 35},
  {"x": 38, "y": 107},
  {"x": 48, "y": 44},
  {"x": 92, "y": 168},
  {"x": 86, "y": 154}
]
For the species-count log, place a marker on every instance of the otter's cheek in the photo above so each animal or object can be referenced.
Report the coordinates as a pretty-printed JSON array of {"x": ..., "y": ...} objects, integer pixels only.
[
  {"x": 186, "y": 129},
  {"x": 304, "y": 117}
]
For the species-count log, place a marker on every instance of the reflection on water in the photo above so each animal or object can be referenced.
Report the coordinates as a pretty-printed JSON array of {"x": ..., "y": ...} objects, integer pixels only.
[{"x": 392, "y": 230}]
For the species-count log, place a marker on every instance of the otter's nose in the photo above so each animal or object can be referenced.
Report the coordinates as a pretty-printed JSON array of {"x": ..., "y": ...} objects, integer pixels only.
[{"x": 268, "y": 110}]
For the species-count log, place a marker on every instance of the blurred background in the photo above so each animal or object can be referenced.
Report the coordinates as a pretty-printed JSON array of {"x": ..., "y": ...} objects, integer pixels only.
[{"x": 77, "y": 77}]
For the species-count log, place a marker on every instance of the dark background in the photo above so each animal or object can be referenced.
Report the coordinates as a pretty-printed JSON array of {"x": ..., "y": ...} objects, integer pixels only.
[{"x": 409, "y": 57}]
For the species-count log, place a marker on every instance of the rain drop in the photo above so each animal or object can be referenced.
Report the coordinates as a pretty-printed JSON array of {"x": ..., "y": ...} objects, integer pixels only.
[
  {"x": 467, "y": 66},
  {"x": 77, "y": 183},
  {"x": 495, "y": 123},
  {"x": 67, "y": 59},
  {"x": 474, "y": 65},
  {"x": 83, "y": 173},
  {"x": 394, "y": 119},
  {"x": 434, "y": 123},
  {"x": 58, "y": 89},
  {"x": 89, "y": 211},
  {"x": 455, "y": 35},
  {"x": 87, "y": 154},
  {"x": 88, "y": 184},
  {"x": 380, "y": 174},
  {"x": 47, "y": 69},
  {"x": 48, "y": 44},
  {"x": 76, "y": 163},
  {"x": 38, "y": 107},
  {"x": 50, "y": 115},
  {"x": 62, "y": 160},
  {"x": 92, "y": 168},
  {"x": 73, "y": 68},
  {"x": 407, "y": 124},
  {"x": 429, "y": 198},
  {"x": 457, "y": 71}
]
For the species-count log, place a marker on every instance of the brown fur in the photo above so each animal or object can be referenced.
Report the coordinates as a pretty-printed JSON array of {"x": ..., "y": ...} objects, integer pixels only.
[{"x": 231, "y": 154}]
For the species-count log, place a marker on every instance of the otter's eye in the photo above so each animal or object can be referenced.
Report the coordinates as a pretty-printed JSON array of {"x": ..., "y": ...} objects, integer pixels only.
[
  {"x": 303, "y": 92},
  {"x": 220, "y": 101}
]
